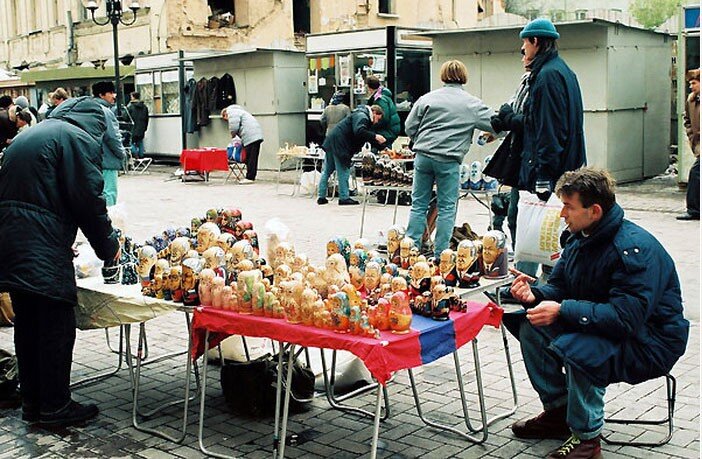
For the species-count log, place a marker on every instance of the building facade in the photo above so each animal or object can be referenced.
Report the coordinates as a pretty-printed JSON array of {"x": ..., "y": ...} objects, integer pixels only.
[{"x": 44, "y": 34}]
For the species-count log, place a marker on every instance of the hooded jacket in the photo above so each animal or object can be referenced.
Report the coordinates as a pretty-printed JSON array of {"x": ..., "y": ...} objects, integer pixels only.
[
  {"x": 349, "y": 135},
  {"x": 621, "y": 316},
  {"x": 389, "y": 126},
  {"x": 51, "y": 185},
  {"x": 139, "y": 113},
  {"x": 112, "y": 149}
]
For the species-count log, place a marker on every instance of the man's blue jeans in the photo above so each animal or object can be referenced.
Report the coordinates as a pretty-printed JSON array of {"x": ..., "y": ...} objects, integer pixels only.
[
  {"x": 428, "y": 171},
  {"x": 138, "y": 148},
  {"x": 585, "y": 401},
  {"x": 331, "y": 164}
]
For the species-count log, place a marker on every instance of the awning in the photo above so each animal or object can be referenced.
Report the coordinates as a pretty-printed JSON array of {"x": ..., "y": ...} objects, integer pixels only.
[{"x": 75, "y": 73}]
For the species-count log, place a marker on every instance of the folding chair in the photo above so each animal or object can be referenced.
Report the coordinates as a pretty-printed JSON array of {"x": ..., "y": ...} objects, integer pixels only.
[
  {"x": 670, "y": 389},
  {"x": 236, "y": 169},
  {"x": 140, "y": 165}
]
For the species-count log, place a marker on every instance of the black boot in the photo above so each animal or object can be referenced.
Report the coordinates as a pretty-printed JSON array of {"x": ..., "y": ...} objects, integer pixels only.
[{"x": 71, "y": 414}]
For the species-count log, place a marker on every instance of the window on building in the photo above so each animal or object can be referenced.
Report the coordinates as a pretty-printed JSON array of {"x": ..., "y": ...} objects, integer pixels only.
[
  {"x": 558, "y": 15},
  {"x": 224, "y": 13},
  {"x": 160, "y": 91},
  {"x": 301, "y": 16},
  {"x": 386, "y": 7},
  {"x": 580, "y": 14},
  {"x": 33, "y": 19}
]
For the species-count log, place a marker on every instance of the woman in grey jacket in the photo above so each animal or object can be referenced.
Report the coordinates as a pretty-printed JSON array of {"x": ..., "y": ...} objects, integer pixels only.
[
  {"x": 243, "y": 124},
  {"x": 441, "y": 125}
]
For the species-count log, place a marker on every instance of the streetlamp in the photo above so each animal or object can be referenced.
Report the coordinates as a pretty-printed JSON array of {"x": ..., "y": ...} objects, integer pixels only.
[{"x": 114, "y": 17}]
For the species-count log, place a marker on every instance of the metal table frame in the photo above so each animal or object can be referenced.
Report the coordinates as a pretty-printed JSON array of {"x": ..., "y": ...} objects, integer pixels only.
[
  {"x": 299, "y": 164},
  {"x": 280, "y": 425}
]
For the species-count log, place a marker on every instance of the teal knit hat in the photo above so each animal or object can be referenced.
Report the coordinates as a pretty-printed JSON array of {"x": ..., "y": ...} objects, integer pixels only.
[{"x": 540, "y": 27}]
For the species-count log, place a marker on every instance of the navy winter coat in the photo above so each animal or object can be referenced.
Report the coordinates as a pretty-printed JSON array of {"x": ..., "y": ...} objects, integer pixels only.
[
  {"x": 349, "y": 135},
  {"x": 51, "y": 185},
  {"x": 554, "y": 141},
  {"x": 621, "y": 316}
]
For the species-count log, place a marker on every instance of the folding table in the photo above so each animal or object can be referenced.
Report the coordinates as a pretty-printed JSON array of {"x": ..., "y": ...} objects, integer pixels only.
[
  {"x": 427, "y": 341},
  {"x": 103, "y": 305},
  {"x": 204, "y": 160}
]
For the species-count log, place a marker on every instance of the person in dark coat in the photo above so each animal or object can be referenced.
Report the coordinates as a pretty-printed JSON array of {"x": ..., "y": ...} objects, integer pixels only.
[
  {"x": 611, "y": 312},
  {"x": 389, "y": 126},
  {"x": 692, "y": 128},
  {"x": 344, "y": 141},
  {"x": 113, "y": 154},
  {"x": 51, "y": 185},
  {"x": 139, "y": 113}
]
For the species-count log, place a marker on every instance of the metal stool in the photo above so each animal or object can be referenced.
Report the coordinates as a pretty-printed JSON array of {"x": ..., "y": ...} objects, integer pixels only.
[{"x": 671, "y": 385}]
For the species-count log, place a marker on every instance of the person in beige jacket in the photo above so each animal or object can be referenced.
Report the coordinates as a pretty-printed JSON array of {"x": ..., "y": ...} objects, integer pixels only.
[{"x": 692, "y": 126}]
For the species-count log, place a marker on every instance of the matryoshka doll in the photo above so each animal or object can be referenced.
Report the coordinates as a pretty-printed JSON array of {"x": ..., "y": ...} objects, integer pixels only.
[
  {"x": 157, "y": 286},
  {"x": 251, "y": 236},
  {"x": 420, "y": 279},
  {"x": 447, "y": 267},
  {"x": 190, "y": 269},
  {"x": 382, "y": 314},
  {"x": 245, "y": 289},
  {"x": 225, "y": 241},
  {"x": 400, "y": 313},
  {"x": 205, "y": 286},
  {"x": 258, "y": 302},
  {"x": 494, "y": 260},
  {"x": 147, "y": 260},
  {"x": 371, "y": 278},
  {"x": 475, "y": 176},
  {"x": 340, "y": 310},
  {"x": 406, "y": 245},
  {"x": 441, "y": 304},
  {"x": 177, "y": 250},
  {"x": 240, "y": 228},
  {"x": 207, "y": 236},
  {"x": 307, "y": 306},
  {"x": 218, "y": 292},
  {"x": 214, "y": 260},
  {"x": 358, "y": 258},
  {"x": 175, "y": 283},
  {"x": 356, "y": 278},
  {"x": 211, "y": 216},
  {"x": 355, "y": 320},
  {"x": 467, "y": 266},
  {"x": 395, "y": 235},
  {"x": 335, "y": 271},
  {"x": 230, "y": 217},
  {"x": 228, "y": 298}
]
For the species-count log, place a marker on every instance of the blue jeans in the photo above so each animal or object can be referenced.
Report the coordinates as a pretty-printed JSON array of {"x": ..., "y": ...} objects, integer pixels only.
[
  {"x": 138, "y": 148},
  {"x": 428, "y": 171},
  {"x": 331, "y": 164},
  {"x": 585, "y": 401}
]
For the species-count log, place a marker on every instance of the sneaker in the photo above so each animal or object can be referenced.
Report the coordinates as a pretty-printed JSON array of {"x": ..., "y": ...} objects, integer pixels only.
[
  {"x": 71, "y": 414},
  {"x": 348, "y": 202},
  {"x": 549, "y": 424},
  {"x": 687, "y": 217},
  {"x": 245, "y": 181},
  {"x": 322, "y": 201},
  {"x": 574, "y": 448}
]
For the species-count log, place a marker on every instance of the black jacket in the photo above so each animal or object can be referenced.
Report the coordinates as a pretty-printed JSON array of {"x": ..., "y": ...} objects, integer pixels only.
[
  {"x": 201, "y": 109},
  {"x": 226, "y": 92},
  {"x": 140, "y": 117},
  {"x": 349, "y": 135},
  {"x": 51, "y": 185},
  {"x": 554, "y": 140}
]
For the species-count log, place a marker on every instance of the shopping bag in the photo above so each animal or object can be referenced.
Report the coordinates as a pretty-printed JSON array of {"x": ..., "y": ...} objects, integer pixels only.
[{"x": 539, "y": 227}]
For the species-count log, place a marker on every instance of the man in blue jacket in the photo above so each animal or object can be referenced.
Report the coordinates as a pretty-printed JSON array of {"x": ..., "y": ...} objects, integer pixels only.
[
  {"x": 610, "y": 312},
  {"x": 112, "y": 149}
]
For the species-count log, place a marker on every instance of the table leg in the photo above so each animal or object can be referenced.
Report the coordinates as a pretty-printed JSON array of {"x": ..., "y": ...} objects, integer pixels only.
[
  {"x": 286, "y": 405},
  {"x": 397, "y": 202},
  {"x": 99, "y": 377},
  {"x": 376, "y": 424},
  {"x": 335, "y": 402},
  {"x": 278, "y": 385},
  {"x": 363, "y": 212}
]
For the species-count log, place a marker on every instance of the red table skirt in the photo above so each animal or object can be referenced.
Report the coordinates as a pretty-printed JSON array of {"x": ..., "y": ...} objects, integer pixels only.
[
  {"x": 427, "y": 341},
  {"x": 204, "y": 159}
]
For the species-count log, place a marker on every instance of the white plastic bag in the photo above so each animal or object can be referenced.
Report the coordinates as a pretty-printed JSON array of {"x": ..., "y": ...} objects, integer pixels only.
[
  {"x": 86, "y": 264},
  {"x": 539, "y": 228},
  {"x": 309, "y": 181}
]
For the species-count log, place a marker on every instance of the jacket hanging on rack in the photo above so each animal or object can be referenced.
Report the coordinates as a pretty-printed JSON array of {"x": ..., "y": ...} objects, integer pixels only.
[
  {"x": 213, "y": 94},
  {"x": 226, "y": 92},
  {"x": 200, "y": 105}
]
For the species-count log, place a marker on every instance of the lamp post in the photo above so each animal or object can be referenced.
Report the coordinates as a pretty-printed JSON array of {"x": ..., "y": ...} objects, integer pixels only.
[{"x": 114, "y": 16}]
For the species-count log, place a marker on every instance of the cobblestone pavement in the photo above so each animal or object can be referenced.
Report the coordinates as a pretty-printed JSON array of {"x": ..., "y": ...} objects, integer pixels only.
[{"x": 154, "y": 201}]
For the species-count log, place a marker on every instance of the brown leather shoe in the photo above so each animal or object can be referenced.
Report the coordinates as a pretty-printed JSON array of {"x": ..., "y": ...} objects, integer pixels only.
[
  {"x": 549, "y": 424},
  {"x": 574, "y": 448}
]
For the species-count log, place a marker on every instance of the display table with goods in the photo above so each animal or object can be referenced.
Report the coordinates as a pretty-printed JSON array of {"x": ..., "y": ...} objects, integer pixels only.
[
  {"x": 204, "y": 160},
  {"x": 299, "y": 156},
  {"x": 395, "y": 312},
  {"x": 103, "y": 305}
]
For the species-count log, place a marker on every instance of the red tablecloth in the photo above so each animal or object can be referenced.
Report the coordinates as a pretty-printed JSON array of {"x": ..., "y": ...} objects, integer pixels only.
[
  {"x": 427, "y": 341},
  {"x": 204, "y": 159}
]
